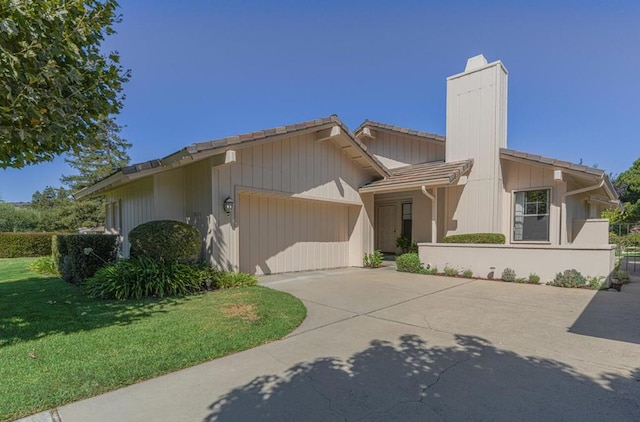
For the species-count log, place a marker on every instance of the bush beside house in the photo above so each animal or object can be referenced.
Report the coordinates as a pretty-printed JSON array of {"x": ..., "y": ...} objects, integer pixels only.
[{"x": 478, "y": 238}]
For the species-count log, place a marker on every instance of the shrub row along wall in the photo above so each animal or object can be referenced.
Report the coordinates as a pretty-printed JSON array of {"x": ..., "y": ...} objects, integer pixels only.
[
  {"x": 78, "y": 256},
  {"x": 478, "y": 238},
  {"x": 18, "y": 245}
]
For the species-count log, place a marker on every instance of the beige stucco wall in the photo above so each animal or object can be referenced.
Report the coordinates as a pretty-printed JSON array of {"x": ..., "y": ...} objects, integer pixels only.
[
  {"x": 544, "y": 260},
  {"x": 396, "y": 150},
  {"x": 590, "y": 232}
]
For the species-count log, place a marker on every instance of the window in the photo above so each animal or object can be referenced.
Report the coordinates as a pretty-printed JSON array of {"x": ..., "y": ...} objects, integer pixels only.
[
  {"x": 531, "y": 216},
  {"x": 407, "y": 221}
]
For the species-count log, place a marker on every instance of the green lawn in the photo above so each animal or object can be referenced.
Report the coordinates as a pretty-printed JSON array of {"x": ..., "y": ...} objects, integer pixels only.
[{"x": 58, "y": 346}]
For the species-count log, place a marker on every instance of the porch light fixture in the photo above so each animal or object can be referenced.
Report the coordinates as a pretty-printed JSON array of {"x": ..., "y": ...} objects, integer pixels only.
[{"x": 228, "y": 205}]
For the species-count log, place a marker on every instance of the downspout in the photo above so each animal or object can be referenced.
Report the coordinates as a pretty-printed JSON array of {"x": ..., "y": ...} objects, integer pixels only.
[
  {"x": 563, "y": 208},
  {"x": 434, "y": 213}
]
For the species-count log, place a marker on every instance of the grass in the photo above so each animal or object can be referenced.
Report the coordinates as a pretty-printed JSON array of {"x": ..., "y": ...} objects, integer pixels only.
[{"x": 58, "y": 346}]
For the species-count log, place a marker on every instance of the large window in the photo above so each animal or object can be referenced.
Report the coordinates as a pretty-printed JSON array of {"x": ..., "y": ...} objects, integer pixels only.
[
  {"x": 531, "y": 215},
  {"x": 407, "y": 221}
]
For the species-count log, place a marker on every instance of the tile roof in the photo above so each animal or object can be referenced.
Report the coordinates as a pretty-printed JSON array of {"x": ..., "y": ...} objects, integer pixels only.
[
  {"x": 401, "y": 130},
  {"x": 436, "y": 173},
  {"x": 551, "y": 161},
  {"x": 231, "y": 141},
  {"x": 579, "y": 168}
]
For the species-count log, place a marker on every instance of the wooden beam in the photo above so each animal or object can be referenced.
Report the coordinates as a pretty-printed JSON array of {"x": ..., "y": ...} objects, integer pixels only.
[{"x": 323, "y": 135}]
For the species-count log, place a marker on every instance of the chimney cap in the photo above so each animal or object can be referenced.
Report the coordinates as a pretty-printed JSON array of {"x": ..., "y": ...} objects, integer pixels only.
[{"x": 476, "y": 62}]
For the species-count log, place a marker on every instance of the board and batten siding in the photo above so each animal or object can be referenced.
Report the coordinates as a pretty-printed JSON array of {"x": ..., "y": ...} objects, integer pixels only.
[
  {"x": 316, "y": 173},
  {"x": 136, "y": 206},
  {"x": 395, "y": 150}
]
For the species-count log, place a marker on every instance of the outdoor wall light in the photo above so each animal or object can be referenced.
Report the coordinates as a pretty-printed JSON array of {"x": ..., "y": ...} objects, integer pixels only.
[{"x": 228, "y": 205}]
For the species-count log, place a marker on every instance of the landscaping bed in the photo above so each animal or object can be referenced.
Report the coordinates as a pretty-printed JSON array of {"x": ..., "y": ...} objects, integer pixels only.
[{"x": 57, "y": 345}]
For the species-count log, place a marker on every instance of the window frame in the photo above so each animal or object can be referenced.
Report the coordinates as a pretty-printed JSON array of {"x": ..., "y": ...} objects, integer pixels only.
[
  {"x": 513, "y": 214},
  {"x": 402, "y": 219}
]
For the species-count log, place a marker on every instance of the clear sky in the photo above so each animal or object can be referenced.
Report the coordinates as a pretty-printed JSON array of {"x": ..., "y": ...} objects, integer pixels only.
[{"x": 207, "y": 69}]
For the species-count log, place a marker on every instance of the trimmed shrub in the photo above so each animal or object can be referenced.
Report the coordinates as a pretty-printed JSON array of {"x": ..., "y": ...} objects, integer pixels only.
[
  {"x": 508, "y": 274},
  {"x": 228, "y": 280},
  {"x": 44, "y": 265},
  {"x": 166, "y": 240},
  {"x": 493, "y": 238},
  {"x": 140, "y": 277},
  {"x": 569, "y": 278},
  {"x": 18, "y": 245},
  {"x": 58, "y": 250},
  {"x": 84, "y": 254},
  {"x": 409, "y": 263},
  {"x": 374, "y": 259}
]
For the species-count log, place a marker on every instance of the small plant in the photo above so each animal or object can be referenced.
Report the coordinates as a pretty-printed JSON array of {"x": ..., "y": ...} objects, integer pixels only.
[
  {"x": 520, "y": 280},
  {"x": 595, "y": 283},
  {"x": 569, "y": 278},
  {"x": 622, "y": 276},
  {"x": 409, "y": 263},
  {"x": 429, "y": 271},
  {"x": 533, "y": 278},
  {"x": 467, "y": 273},
  {"x": 508, "y": 274},
  {"x": 403, "y": 243},
  {"x": 450, "y": 271},
  {"x": 228, "y": 280},
  {"x": 44, "y": 265},
  {"x": 374, "y": 259}
]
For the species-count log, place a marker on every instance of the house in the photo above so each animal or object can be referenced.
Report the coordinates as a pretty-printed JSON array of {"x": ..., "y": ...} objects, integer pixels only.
[{"x": 315, "y": 195}]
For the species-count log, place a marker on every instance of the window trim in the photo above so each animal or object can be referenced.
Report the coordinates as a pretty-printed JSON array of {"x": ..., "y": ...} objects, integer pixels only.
[{"x": 513, "y": 216}]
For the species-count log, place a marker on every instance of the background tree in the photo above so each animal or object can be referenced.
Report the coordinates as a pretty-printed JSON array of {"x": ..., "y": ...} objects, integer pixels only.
[
  {"x": 56, "y": 86},
  {"x": 105, "y": 156},
  {"x": 627, "y": 185}
]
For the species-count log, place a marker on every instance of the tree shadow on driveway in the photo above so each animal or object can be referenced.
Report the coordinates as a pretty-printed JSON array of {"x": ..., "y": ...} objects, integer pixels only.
[
  {"x": 612, "y": 315},
  {"x": 473, "y": 380}
]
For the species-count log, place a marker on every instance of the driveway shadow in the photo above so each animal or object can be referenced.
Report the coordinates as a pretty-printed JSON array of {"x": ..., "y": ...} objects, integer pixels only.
[
  {"x": 473, "y": 380},
  {"x": 612, "y": 315}
]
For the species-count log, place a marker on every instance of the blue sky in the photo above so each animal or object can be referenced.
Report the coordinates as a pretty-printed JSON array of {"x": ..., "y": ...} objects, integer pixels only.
[{"x": 208, "y": 69}]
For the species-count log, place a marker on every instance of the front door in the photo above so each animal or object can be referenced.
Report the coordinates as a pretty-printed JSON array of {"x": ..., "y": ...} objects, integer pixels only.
[{"x": 386, "y": 228}]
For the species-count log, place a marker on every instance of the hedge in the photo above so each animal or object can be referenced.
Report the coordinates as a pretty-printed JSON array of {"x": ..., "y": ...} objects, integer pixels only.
[
  {"x": 18, "y": 245},
  {"x": 494, "y": 238},
  {"x": 166, "y": 240},
  {"x": 78, "y": 256}
]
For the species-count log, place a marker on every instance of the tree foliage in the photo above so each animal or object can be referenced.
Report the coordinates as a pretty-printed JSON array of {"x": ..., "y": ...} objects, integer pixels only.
[
  {"x": 56, "y": 86},
  {"x": 99, "y": 161},
  {"x": 627, "y": 185}
]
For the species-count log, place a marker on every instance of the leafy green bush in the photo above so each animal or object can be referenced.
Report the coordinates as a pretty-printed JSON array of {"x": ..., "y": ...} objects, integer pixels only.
[
  {"x": 227, "y": 280},
  {"x": 622, "y": 276},
  {"x": 85, "y": 254},
  {"x": 374, "y": 259},
  {"x": 595, "y": 283},
  {"x": 429, "y": 271},
  {"x": 508, "y": 274},
  {"x": 18, "y": 245},
  {"x": 533, "y": 278},
  {"x": 166, "y": 240},
  {"x": 44, "y": 265},
  {"x": 409, "y": 263},
  {"x": 58, "y": 251},
  {"x": 450, "y": 271},
  {"x": 520, "y": 280},
  {"x": 140, "y": 277},
  {"x": 494, "y": 238},
  {"x": 569, "y": 278},
  {"x": 405, "y": 245},
  {"x": 467, "y": 273}
]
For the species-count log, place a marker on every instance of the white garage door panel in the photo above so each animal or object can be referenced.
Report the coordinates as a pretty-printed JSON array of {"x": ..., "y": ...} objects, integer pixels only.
[{"x": 281, "y": 234}]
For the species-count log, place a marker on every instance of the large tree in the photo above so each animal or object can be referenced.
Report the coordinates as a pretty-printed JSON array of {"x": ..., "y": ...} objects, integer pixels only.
[
  {"x": 56, "y": 85},
  {"x": 107, "y": 154}
]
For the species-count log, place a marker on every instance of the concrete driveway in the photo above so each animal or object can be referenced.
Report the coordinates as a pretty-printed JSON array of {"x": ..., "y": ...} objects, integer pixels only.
[{"x": 380, "y": 345}]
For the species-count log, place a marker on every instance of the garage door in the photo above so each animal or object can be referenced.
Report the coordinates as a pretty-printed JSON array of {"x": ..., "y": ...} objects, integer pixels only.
[{"x": 281, "y": 234}]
